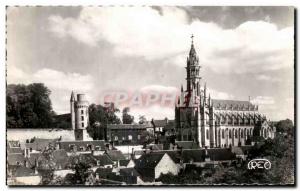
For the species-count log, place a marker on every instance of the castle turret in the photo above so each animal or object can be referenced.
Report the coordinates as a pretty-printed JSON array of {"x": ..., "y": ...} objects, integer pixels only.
[
  {"x": 72, "y": 108},
  {"x": 80, "y": 116}
]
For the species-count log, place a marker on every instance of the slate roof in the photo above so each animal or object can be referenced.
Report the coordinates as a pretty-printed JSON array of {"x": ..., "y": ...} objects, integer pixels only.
[
  {"x": 127, "y": 126},
  {"x": 155, "y": 146},
  {"x": 196, "y": 155},
  {"x": 12, "y": 159},
  {"x": 159, "y": 123},
  {"x": 104, "y": 160},
  {"x": 187, "y": 144},
  {"x": 66, "y": 144},
  {"x": 40, "y": 144},
  {"x": 104, "y": 172},
  {"x": 124, "y": 162},
  {"x": 220, "y": 154},
  {"x": 149, "y": 160},
  {"x": 217, "y": 103},
  {"x": 174, "y": 155},
  {"x": 115, "y": 155}
]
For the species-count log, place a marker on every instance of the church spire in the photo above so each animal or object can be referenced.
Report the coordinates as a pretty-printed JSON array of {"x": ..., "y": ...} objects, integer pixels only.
[
  {"x": 192, "y": 51},
  {"x": 72, "y": 97}
]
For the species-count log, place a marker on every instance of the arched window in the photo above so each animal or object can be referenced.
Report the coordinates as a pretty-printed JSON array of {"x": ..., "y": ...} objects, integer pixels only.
[
  {"x": 229, "y": 133},
  {"x": 207, "y": 134},
  {"x": 236, "y": 134},
  {"x": 247, "y": 132},
  {"x": 251, "y": 132},
  {"x": 223, "y": 134},
  {"x": 265, "y": 133},
  {"x": 242, "y": 134}
]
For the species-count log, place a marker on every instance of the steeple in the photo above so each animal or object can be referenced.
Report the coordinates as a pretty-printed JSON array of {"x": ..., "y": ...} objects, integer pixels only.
[
  {"x": 192, "y": 68},
  {"x": 192, "y": 50},
  {"x": 72, "y": 97}
]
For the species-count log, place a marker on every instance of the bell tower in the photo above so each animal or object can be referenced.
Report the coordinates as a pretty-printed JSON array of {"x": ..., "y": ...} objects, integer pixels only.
[{"x": 193, "y": 70}]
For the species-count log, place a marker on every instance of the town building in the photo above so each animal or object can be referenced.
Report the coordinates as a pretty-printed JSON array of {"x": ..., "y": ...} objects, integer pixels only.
[
  {"x": 212, "y": 122},
  {"x": 126, "y": 134}
]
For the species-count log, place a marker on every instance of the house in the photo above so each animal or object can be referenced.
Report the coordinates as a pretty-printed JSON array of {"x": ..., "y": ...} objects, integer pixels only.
[
  {"x": 39, "y": 144},
  {"x": 126, "y": 134},
  {"x": 184, "y": 145},
  {"x": 130, "y": 175},
  {"x": 159, "y": 125},
  {"x": 14, "y": 147},
  {"x": 116, "y": 156},
  {"x": 96, "y": 147},
  {"x": 150, "y": 166}
]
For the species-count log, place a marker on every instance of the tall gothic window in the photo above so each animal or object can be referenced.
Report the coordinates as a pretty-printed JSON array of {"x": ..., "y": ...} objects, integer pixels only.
[
  {"x": 229, "y": 133},
  {"x": 207, "y": 134},
  {"x": 223, "y": 135},
  {"x": 236, "y": 134}
]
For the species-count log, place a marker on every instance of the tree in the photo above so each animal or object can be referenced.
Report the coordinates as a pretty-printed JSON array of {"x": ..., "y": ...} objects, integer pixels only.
[
  {"x": 126, "y": 117},
  {"x": 142, "y": 119},
  {"x": 101, "y": 115},
  {"x": 285, "y": 126},
  {"x": 28, "y": 106}
]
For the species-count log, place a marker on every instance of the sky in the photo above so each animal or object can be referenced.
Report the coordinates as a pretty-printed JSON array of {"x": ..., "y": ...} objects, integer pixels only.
[{"x": 128, "y": 52}]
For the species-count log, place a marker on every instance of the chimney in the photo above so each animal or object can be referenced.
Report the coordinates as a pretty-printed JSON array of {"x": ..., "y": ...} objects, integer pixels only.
[
  {"x": 27, "y": 152},
  {"x": 26, "y": 164},
  {"x": 57, "y": 146}
]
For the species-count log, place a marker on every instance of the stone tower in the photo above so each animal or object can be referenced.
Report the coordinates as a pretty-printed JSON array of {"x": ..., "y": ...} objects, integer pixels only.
[{"x": 80, "y": 117}]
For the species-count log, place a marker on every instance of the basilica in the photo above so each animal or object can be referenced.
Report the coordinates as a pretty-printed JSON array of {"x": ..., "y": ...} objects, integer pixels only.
[{"x": 215, "y": 123}]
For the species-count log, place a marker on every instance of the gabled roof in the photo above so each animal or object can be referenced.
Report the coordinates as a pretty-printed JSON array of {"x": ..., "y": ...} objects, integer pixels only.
[
  {"x": 174, "y": 155},
  {"x": 149, "y": 160},
  {"x": 115, "y": 155},
  {"x": 104, "y": 160}
]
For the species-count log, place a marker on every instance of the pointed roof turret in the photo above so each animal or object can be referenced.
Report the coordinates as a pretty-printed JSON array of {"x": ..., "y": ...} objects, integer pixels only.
[
  {"x": 72, "y": 97},
  {"x": 192, "y": 51}
]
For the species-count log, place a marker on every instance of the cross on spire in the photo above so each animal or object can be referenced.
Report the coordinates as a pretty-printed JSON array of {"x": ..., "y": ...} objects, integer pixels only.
[{"x": 192, "y": 37}]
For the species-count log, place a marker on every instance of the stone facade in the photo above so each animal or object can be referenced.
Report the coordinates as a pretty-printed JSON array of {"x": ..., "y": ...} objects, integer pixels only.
[{"x": 211, "y": 122}]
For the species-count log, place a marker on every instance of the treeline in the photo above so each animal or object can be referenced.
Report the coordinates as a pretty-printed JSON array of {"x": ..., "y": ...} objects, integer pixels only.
[{"x": 28, "y": 106}]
